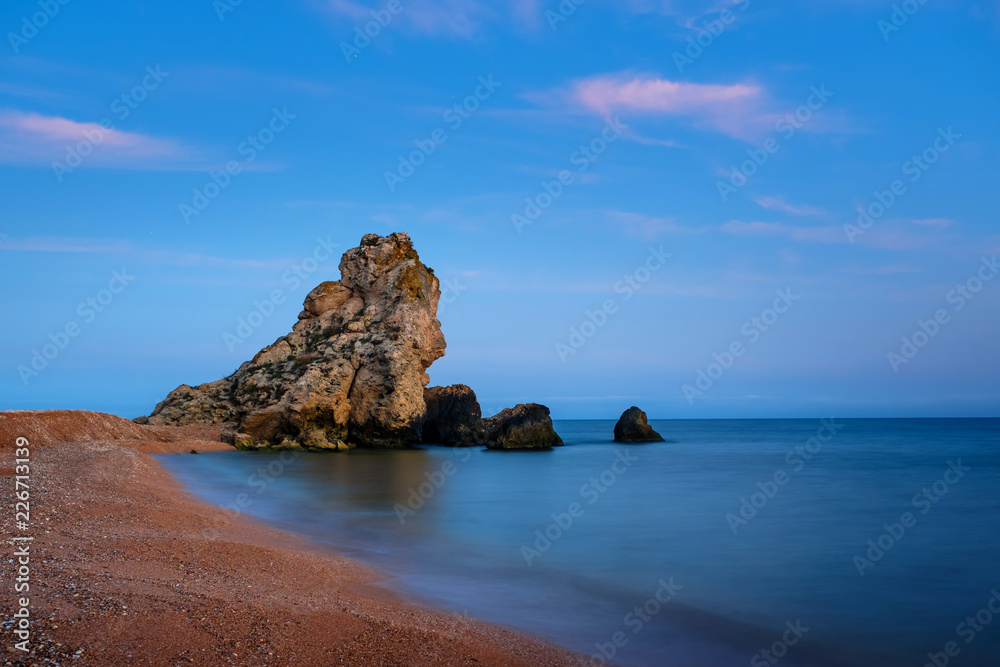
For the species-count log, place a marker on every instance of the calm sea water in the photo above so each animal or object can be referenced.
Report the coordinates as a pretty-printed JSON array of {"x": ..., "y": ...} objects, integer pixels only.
[{"x": 628, "y": 523}]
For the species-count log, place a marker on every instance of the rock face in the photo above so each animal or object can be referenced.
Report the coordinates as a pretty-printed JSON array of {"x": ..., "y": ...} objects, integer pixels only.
[
  {"x": 632, "y": 427},
  {"x": 352, "y": 371},
  {"x": 525, "y": 426},
  {"x": 454, "y": 417}
]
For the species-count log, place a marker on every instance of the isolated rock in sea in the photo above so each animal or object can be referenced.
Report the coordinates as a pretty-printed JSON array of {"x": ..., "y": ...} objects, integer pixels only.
[
  {"x": 632, "y": 427},
  {"x": 352, "y": 371},
  {"x": 525, "y": 426},
  {"x": 454, "y": 417}
]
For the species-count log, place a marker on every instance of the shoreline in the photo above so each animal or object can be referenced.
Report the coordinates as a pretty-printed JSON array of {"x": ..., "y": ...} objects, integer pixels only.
[{"x": 122, "y": 571}]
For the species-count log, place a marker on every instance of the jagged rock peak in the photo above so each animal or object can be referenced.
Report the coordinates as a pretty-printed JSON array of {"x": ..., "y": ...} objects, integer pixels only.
[{"x": 351, "y": 372}]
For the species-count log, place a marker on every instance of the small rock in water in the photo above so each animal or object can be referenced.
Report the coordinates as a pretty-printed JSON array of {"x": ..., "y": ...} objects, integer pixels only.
[
  {"x": 525, "y": 426},
  {"x": 632, "y": 427}
]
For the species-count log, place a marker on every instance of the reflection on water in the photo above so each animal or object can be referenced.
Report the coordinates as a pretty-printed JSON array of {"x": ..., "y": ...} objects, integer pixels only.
[{"x": 581, "y": 544}]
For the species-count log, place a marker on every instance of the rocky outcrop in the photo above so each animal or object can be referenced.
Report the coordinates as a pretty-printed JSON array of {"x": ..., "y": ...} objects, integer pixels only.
[
  {"x": 454, "y": 417},
  {"x": 632, "y": 427},
  {"x": 525, "y": 426},
  {"x": 352, "y": 371}
]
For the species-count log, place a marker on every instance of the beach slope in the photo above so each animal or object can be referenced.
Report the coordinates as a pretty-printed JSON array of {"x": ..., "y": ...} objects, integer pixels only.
[{"x": 128, "y": 568}]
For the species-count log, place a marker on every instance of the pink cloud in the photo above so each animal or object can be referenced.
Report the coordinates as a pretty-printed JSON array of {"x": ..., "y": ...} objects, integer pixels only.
[
  {"x": 650, "y": 95},
  {"x": 734, "y": 109},
  {"x": 31, "y": 138},
  {"x": 62, "y": 130}
]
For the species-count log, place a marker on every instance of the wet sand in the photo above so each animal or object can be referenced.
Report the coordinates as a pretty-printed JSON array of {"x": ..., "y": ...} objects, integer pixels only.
[{"x": 129, "y": 569}]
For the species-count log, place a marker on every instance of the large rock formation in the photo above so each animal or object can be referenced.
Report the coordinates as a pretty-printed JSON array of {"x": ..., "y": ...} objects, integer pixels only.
[
  {"x": 454, "y": 417},
  {"x": 351, "y": 373},
  {"x": 525, "y": 426},
  {"x": 632, "y": 427}
]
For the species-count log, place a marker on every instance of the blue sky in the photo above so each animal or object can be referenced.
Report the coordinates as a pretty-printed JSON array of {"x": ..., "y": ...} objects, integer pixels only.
[{"x": 212, "y": 153}]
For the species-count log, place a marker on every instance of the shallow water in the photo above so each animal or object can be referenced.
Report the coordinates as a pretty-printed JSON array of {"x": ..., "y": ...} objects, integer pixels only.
[{"x": 453, "y": 526}]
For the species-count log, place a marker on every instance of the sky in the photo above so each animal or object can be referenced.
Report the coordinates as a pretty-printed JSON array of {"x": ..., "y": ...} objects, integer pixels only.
[{"x": 706, "y": 209}]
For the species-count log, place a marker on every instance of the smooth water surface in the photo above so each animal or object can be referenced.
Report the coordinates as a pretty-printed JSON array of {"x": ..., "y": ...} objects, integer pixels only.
[{"x": 458, "y": 528}]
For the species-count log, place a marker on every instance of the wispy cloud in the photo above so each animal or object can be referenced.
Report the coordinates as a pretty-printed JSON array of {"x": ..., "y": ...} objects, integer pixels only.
[
  {"x": 135, "y": 253},
  {"x": 890, "y": 239},
  {"x": 70, "y": 245},
  {"x": 887, "y": 270},
  {"x": 934, "y": 222},
  {"x": 779, "y": 204},
  {"x": 467, "y": 18},
  {"x": 895, "y": 269},
  {"x": 228, "y": 80},
  {"x": 830, "y": 234},
  {"x": 463, "y": 19},
  {"x": 647, "y": 94},
  {"x": 36, "y": 139},
  {"x": 648, "y": 227},
  {"x": 15, "y": 90},
  {"x": 736, "y": 109}
]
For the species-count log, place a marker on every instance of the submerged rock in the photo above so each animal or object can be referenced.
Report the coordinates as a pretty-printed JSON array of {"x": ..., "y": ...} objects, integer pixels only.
[
  {"x": 352, "y": 371},
  {"x": 454, "y": 417},
  {"x": 525, "y": 426},
  {"x": 632, "y": 427}
]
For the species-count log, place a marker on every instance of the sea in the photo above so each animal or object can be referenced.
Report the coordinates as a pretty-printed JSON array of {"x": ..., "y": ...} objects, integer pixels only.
[{"x": 802, "y": 543}]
